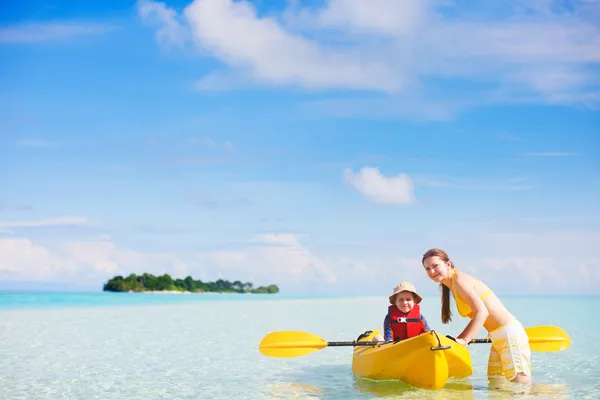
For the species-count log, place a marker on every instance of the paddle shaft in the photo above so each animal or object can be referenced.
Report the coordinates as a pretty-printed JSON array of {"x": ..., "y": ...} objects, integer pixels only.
[
  {"x": 481, "y": 341},
  {"x": 331, "y": 344},
  {"x": 374, "y": 343},
  {"x": 354, "y": 343},
  {"x": 472, "y": 341}
]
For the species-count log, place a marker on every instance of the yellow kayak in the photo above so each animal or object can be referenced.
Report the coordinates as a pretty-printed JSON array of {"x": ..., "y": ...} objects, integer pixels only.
[{"x": 425, "y": 361}]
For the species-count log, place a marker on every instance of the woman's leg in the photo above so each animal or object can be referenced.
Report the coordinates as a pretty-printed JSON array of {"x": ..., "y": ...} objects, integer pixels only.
[
  {"x": 510, "y": 354},
  {"x": 495, "y": 369},
  {"x": 522, "y": 378}
]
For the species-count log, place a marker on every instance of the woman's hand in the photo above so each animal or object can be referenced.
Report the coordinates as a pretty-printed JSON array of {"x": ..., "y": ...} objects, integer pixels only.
[{"x": 462, "y": 341}]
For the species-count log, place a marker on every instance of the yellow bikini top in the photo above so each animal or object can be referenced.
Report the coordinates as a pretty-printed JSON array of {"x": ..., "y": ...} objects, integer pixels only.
[{"x": 463, "y": 307}]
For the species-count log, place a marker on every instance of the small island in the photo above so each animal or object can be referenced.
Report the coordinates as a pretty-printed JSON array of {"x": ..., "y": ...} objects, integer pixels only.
[{"x": 164, "y": 283}]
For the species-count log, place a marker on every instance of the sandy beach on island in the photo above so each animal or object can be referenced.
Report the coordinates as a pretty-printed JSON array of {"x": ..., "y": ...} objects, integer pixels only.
[{"x": 182, "y": 292}]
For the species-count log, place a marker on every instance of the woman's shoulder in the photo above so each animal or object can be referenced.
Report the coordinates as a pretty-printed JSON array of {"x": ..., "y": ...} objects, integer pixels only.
[{"x": 464, "y": 279}]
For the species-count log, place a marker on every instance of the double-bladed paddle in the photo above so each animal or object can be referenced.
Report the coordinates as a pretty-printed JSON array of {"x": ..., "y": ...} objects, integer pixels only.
[{"x": 288, "y": 344}]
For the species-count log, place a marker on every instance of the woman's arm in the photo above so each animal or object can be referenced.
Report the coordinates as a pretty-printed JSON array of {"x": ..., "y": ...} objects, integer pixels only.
[{"x": 465, "y": 289}]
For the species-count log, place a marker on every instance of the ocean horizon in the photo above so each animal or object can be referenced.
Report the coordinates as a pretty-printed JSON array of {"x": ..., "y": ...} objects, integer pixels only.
[
  {"x": 55, "y": 298},
  {"x": 43, "y": 299}
]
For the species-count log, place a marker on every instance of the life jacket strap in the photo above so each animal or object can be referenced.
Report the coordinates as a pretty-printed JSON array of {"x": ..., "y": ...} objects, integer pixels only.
[{"x": 403, "y": 320}]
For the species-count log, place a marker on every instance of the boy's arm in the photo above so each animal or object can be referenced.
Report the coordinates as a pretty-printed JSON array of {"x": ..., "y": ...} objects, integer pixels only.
[
  {"x": 387, "y": 329},
  {"x": 425, "y": 324}
]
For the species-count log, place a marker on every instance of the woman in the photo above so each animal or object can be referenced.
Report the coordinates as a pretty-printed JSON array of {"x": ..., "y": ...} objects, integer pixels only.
[{"x": 510, "y": 355}]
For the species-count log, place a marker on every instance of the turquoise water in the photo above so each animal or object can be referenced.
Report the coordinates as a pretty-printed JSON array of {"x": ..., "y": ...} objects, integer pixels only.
[
  {"x": 102, "y": 346},
  {"x": 13, "y": 299}
]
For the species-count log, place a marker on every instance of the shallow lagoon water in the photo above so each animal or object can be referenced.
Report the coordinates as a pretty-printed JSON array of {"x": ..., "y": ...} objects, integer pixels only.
[{"x": 208, "y": 349}]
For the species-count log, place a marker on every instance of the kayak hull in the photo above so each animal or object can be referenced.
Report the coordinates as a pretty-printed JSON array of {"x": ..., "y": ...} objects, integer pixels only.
[{"x": 425, "y": 361}]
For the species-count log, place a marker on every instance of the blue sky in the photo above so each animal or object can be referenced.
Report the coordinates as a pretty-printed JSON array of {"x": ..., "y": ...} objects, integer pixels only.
[{"x": 320, "y": 145}]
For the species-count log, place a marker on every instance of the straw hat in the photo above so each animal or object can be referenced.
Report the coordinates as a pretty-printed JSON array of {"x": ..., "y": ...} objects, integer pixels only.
[{"x": 402, "y": 286}]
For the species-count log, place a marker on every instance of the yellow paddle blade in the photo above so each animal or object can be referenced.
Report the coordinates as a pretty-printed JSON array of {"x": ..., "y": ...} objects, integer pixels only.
[
  {"x": 547, "y": 338},
  {"x": 287, "y": 344}
]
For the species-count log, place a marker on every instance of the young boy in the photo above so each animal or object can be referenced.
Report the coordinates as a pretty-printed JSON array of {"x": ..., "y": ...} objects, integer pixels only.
[{"x": 404, "y": 319}]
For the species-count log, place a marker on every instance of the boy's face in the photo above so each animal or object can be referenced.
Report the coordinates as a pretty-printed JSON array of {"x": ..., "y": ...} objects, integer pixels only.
[{"x": 405, "y": 301}]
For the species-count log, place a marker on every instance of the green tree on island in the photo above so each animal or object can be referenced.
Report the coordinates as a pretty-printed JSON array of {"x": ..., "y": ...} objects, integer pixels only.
[{"x": 149, "y": 282}]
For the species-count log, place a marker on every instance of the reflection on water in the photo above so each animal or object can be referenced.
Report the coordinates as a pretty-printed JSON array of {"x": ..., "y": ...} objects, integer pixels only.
[
  {"x": 333, "y": 383},
  {"x": 336, "y": 381},
  {"x": 500, "y": 388},
  {"x": 325, "y": 382},
  {"x": 454, "y": 389},
  {"x": 293, "y": 391},
  {"x": 555, "y": 391},
  {"x": 503, "y": 389}
]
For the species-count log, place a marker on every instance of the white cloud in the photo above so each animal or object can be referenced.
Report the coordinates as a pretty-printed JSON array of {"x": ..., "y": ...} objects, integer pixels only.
[
  {"x": 373, "y": 185},
  {"x": 539, "y": 274},
  {"x": 360, "y": 17},
  {"x": 170, "y": 31},
  {"x": 588, "y": 272},
  {"x": 554, "y": 79},
  {"x": 102, "y": 256},
  {"x": 285, "y": 239},
  {"x": 395, "y": 46},
  {"x": 277, "y": 257},
  {"x": 21, "y": 257},
  {"x": 261, "y": 47},
  {"x": 272, "y": 258},
  {"x": 523, "y": 240},
  {"x": 539, "y": 263},
  {"x": 65, "y": 221},
  {"x": 51, "y": 31},
  {"x": 234, "y": 33}
]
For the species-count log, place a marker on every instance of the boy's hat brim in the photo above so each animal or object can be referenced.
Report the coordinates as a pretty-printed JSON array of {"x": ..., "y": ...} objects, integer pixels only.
[{"x": 406, "y": 286}]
